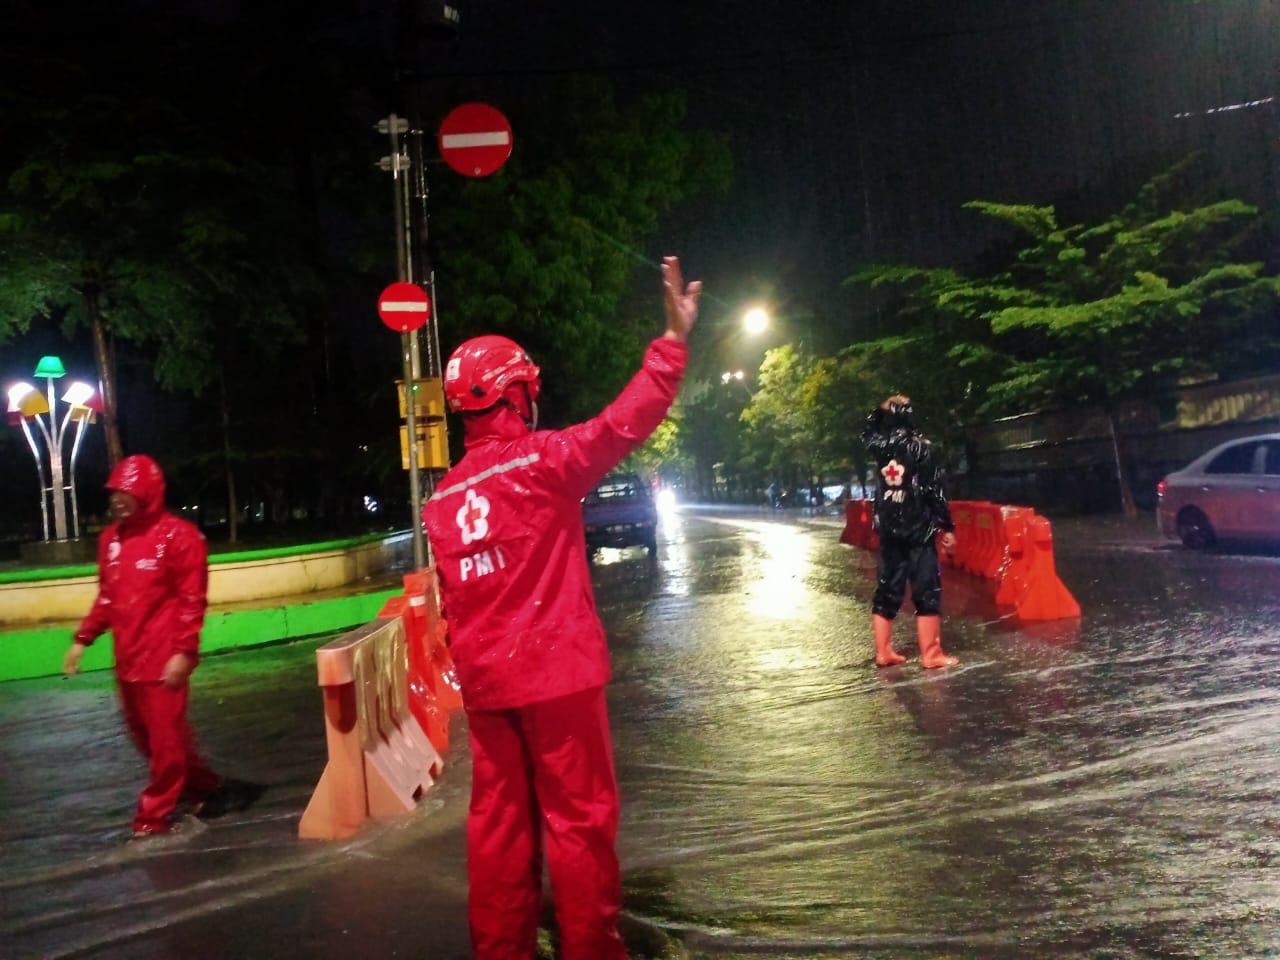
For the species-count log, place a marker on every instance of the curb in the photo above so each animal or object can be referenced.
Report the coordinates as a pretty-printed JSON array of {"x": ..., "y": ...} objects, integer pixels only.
[{"x": 38, "y": 651}]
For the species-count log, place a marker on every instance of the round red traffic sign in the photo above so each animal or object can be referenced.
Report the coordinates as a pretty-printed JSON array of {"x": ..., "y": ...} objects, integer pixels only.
[
  {"x": 404, "y": 307},
  {"x": 475, "y": 139}
]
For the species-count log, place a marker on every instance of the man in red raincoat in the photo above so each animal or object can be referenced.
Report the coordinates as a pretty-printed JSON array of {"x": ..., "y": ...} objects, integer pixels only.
[
  {"x": 506, "y": 528},
  {"x": 152, "y": 579}
]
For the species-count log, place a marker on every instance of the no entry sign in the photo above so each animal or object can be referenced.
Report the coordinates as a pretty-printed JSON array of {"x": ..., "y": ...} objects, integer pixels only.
[
  {"x": 404, "y": 307},
  {"x": 475, "y": 139}
]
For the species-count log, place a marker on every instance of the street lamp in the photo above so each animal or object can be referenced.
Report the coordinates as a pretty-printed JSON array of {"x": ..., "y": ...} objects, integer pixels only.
[
  {"x": 755, "y": 321},
  {"x": 28, "y": 405}
]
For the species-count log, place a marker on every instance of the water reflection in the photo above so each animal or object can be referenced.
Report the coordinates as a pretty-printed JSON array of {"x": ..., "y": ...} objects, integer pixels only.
[
  {"x": 1096, "y": 788},
  {"x": 244, "y": 887},
  {"x": 774, "y": 571},
  {"x": 1102, "y": 787}
]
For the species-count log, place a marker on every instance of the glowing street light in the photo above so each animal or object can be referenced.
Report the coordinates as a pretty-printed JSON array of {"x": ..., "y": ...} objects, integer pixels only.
[
  {"x": 27, "y": 405},
  {"x": 755, "y": 321},
  {"x": 729, "y": 375}
]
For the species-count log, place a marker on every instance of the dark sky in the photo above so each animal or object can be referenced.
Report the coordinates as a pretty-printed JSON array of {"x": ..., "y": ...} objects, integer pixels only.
[{"x": 860, "y": 128}]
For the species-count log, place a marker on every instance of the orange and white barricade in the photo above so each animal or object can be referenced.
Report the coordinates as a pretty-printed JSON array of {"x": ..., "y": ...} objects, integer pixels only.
[
  {"x": 423, "y": 591},
  {"x": 380, "y": 759}
]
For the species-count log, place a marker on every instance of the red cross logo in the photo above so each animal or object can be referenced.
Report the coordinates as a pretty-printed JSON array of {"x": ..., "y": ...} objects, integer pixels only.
[
  {"x": 892, "y": 473},
  {"x": 472, "y": 518}
]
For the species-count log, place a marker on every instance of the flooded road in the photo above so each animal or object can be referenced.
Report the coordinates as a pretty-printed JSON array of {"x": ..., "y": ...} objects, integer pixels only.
[{"x": 1100, "y": 788}]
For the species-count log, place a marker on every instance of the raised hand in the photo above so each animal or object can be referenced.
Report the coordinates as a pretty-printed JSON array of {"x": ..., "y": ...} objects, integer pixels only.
[{"x": 681, "y": 300}]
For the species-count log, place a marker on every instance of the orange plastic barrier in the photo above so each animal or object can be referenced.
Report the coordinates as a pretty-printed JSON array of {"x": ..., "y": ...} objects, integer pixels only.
[
  {"x": 962, "y": 517},
  {"x": 1011, "y": 546},
  {"x": 995, "y": 558},
  {"x": 424, "y": 599},
  {"x": 1017, "y": 572},
  {"x": 432, "y": 679},
  {"x": 858, "y": 527},
  {"x": 380, "y": 760},
  {"x": 849, "y": 535},
  {"x": 1045, "y": 596},
  {"x": 989, "y": 555}
]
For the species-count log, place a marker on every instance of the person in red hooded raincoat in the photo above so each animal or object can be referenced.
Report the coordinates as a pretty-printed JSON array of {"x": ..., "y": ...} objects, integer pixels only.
[
  {"x": 505, "y": 525},
  {"x": 152, "y": 579}
]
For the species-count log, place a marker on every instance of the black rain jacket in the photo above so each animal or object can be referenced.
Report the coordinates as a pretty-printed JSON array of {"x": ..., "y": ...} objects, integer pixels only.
[{"x": 910, "y": 502}]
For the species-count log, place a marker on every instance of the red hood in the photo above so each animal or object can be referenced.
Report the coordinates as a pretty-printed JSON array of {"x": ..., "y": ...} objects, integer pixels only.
[
  {"x": 141, "y": 478},
  {"x": 499, "y": 422}
]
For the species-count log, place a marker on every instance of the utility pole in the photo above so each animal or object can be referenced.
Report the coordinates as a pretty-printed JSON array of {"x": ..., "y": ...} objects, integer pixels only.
[
  {"x": 416, "y": 25},
  {"x": 397, "y": 164},
  {"x": 434, "y": 365}
]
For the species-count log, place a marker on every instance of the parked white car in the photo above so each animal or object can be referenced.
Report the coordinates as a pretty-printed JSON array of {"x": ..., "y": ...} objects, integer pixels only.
[{"x": 1230, "y": 493}]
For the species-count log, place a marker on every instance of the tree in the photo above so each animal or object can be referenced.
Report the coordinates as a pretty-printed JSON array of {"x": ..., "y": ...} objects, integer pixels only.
[
  {"x": 546, "y": 250},
  {"x": 708, "y": 434},
  {"x": 781, "y": 435},
  {"x": 123, "y": 216},
  {"x": 73, "y": 228},
  {"x": 182, "y": 257},
  {"x": 1173, "y": 285},
  {"x": 936, "y": 310},
  {"x": 195, "y": 234},
  {"x": 661, "y": 455},
  {"x": 837, "y": 395},
  {"x": 808, "y": 412},
  {"x": 182, "y": 236}
]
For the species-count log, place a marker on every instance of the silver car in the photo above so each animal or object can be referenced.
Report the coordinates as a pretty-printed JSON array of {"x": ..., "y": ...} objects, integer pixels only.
[{"x": 1230, "y": 493}]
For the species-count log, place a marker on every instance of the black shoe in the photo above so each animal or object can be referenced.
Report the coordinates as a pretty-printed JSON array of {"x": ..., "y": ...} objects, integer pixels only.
[{"x": 232, "y": 796}]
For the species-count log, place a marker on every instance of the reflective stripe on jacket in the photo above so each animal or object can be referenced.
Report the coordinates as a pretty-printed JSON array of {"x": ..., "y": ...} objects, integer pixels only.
[{"x": 505, "y": 526}]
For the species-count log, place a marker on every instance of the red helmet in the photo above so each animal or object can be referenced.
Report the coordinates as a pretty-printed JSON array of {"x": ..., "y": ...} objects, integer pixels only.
[{"x": 482, "y": 368}]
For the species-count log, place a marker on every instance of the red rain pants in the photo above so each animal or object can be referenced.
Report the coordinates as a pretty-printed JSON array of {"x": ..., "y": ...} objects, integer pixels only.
[
  {"x": 156, "y": 717},
  {"x": 543, "y": 780}
]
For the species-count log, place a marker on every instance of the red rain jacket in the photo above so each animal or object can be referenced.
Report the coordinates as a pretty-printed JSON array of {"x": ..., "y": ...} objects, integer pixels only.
[
  {"x": 153, "y": 579},
  {"x": 505, "y": 525}
]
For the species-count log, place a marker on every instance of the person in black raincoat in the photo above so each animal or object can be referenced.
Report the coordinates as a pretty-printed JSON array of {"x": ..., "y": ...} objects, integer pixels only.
[{"x": 910, "y": 512}]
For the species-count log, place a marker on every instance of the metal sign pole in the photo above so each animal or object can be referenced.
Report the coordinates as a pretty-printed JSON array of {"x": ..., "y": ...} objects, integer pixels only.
[
  {"x": 433, "y": 367},
  {"x": 408, "y": 341}
]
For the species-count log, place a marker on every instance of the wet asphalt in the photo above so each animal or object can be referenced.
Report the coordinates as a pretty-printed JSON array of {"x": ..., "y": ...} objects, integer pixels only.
[{"x": 1100, "y": 787}]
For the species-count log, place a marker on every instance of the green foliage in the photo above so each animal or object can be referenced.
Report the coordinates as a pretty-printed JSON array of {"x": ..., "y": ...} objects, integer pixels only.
[
  {"x": 837, "y": 393},
  {"x": 545, "y": 250},
  {"x": 661, "y": 454},
  {"x": 708, "y": 436},
  {"x": 1089, "y": 314},
  {"x": 183, "y": 215},
  {"x": 781, "y": 431},
  {"x": 101, "y": 208},
  {"x": 1092, "y": 314}
]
